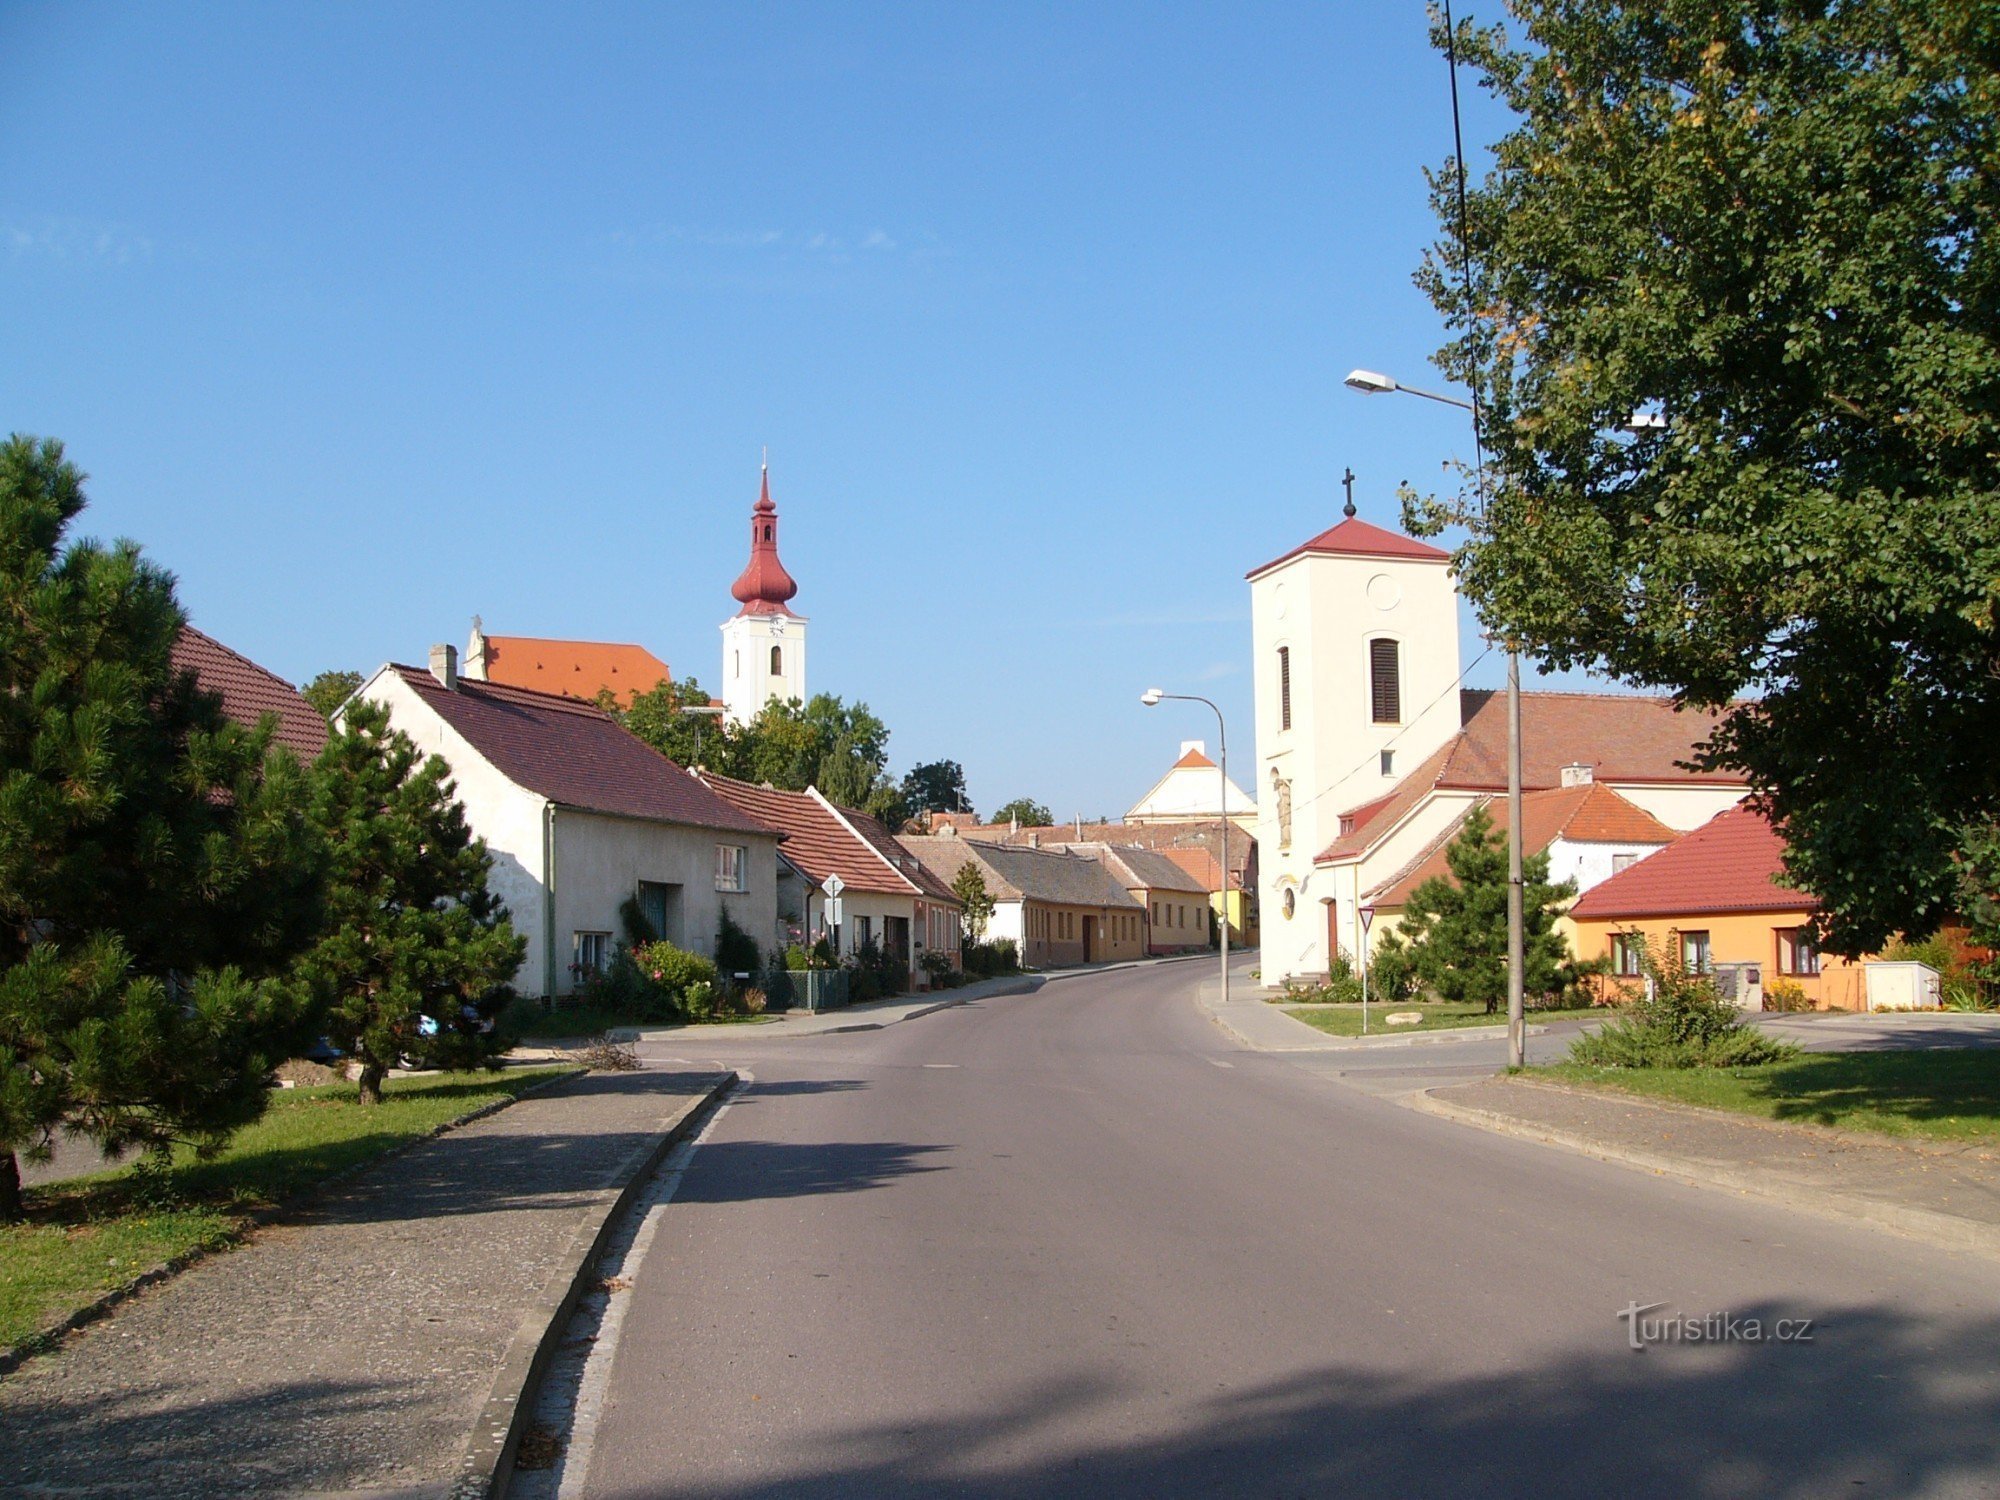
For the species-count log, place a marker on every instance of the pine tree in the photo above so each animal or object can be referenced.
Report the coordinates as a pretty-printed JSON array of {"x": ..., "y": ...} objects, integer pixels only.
[
  {"x": 416, "y": 951},
  {"x": 1457, "y": 927},
  {"x": 156, "y": 867}
]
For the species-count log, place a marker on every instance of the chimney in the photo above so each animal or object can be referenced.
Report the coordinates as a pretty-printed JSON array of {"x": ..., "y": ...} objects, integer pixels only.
[
  {"x": 444, "y": 667},
  {"x": 1576, "y": 773}
]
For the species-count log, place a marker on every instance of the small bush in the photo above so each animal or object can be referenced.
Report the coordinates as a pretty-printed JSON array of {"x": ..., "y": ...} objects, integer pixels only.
[
  {"x": 673, "y": 970},
  {"x": 1685, "y": 1024},
  {"x": 939, "y": 970},
  {"x": 752, "y": 1001},
  {"x": 702, "y": 1001},
  {"x": 988, "y": 960},
  {"x": 1784, "y": 995}
]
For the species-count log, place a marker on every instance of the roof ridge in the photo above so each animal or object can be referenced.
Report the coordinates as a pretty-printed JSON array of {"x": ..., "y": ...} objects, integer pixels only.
[
  {"x": 560, "y": 702},
  {"x": 258, "y": 667}
]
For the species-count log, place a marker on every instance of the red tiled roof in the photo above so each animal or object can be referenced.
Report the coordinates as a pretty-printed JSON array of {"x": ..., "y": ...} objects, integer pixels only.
[
  {"x": 576, "y": 669},
  {"x": 1621, "y": 737},
  {"x": 815, "y": 839},
  {"x": 1201, "y": 865},
  {"x": 1355, "y": 537},
  {"x": 1588, "y": 814},
  {"x": 248, "y": 692},
  {"x": 876, "y": 834},
  {"x": 575, "y": 754},
  {"x": 1194, "y": 760},
  {"x": 1729, "y": 864}
]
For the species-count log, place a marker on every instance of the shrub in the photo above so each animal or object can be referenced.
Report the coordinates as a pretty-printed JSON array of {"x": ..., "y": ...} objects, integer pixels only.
[
  {"x": 990, "y": 959},
  {"x": 1784, "y": 995},
  {"x": 1683, "y": 1024},
  {"x": 752, "y": 1001},
  {"x": 939, "y": 970},
  {"x": 1393, "y": 976},
  {"x": 702, "y": 1001},
  {"x": 735, "y": 950},
  {"x": 673, "y": 971}
]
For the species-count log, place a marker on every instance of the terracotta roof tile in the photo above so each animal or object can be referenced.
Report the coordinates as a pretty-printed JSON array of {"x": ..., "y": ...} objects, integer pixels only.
[
  {"x": 248, "y": 692},
  {"x": 576, "y": 669},
  {"x": 1013, "y": 873},
  {"x": 1621, "y": 737},
  {"x": 1588, "y": 814},
  {"x": 1145, "y": 869},
  {"x": 1194, "y": 760},
  {"x": 1201, "y": 865},
  {"x": 1355, "y": 537},
  {"x": 1729, "y": 864},
  {"x": 877, "y": 835},
  {"x": 821, "y": 844},
  {"x": 575, "y": 754}
]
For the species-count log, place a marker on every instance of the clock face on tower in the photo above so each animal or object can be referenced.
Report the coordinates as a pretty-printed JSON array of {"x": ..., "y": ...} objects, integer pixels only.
[{"x": 778, "y": 626}]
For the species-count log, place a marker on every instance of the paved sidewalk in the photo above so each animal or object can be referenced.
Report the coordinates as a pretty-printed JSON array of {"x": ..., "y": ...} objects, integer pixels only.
[
  {"x": 1944, "y": 1194},
  {"x": 355, "y": 1345}
]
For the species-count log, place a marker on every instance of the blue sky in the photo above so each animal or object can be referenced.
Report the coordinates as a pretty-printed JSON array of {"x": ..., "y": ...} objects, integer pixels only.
[{"x": 368, "y": 318}]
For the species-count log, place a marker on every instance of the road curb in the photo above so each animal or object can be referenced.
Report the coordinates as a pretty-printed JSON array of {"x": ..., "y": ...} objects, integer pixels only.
[
  {"x": 44, "y": 1340},
  {"x": 486, "y": 1462},
  {"x": 1946, "y": 1231}
]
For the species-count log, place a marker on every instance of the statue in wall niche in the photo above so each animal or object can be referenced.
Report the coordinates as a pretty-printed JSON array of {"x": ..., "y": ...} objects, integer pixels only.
[{"x": 1282, "y": 786}]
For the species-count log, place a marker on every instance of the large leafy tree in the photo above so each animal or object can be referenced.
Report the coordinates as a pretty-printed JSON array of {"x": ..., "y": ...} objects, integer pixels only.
[
  {"x": 936, "y": 786},
  {"x": 1032, "y": 814},
  {"x": 416, "y": 950},
  {"x": 156, "y": 866},
  {"x": 1766, "y": 227},
  {"x": 660, "y": 717},
  {"x": 329, "y": 690},
  {"x": 1456, "y": 925}
]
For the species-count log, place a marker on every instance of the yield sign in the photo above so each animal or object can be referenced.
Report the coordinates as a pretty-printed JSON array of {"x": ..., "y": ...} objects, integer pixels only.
[{"x": 1367, "y": 916}]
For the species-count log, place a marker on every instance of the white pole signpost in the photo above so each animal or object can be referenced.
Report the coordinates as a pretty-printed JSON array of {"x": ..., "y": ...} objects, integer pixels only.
[
  {"x": 1367, "y": 916},
  {"x": 833, "y": 885}
]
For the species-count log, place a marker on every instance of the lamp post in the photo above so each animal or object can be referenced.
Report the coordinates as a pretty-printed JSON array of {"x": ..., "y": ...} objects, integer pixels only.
[
  {"x": 1369, "y": 382},
  {"x": 1152, "y": 697},
  {"x": 702, "y": 711}
]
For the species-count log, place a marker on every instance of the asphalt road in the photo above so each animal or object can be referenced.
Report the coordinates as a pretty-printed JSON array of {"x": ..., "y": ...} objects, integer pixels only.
[{"x": 1080, "y": 1243}]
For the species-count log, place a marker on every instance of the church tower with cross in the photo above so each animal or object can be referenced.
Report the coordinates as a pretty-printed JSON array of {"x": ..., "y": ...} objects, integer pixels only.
[
  {"x": 1356, "y": 669},
  {"x": 764, "y": 643}
]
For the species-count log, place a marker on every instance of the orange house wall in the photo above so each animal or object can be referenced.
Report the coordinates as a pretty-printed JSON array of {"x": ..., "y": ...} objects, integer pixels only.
[{"x": 1736, "y": 937}]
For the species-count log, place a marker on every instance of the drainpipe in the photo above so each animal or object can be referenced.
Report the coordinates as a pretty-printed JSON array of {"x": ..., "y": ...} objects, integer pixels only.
[{"x": 549, "y": 903}]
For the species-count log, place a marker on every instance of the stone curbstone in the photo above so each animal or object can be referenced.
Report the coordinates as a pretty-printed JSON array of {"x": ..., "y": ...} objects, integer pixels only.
[
  {"x": 1946, "y": 1231},
  {"x": 46, "y": 1339},
  {"x": 487, "y": 1459}
]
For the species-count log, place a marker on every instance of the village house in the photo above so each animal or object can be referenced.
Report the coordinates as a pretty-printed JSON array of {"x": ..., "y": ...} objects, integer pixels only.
[
  {"x": 1196, "y": 847},
  {"x": 250, "y": 695},
  {"x": 575, "y": 669},
  {"x": 1058, "y": 908},
  {"x": 582, "y": 817},
  {"x": 1712, "y": 898},
  {"x": 1178, "y": 912},
  {"x": 1369, "y": 751},
  {"x": 1587, "y": 830},
  {"x": 888, "y": 896}
]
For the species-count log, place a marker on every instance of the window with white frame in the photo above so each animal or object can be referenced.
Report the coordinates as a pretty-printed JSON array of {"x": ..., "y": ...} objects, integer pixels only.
[
  {"x": 1796, "y": 954},
  {"x": 732, "y": 867},
  {"x": 589, "y": 953},
  {"x": 1694, "y": 953},
  {"x": 1628, "y": 955},
  {"x": 1622, "y": 862}
]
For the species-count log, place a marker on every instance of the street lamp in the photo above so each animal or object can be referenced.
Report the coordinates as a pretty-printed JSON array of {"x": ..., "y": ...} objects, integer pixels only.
[
  {"x": 702, "y": 710},
  {"x": 1152, "y": 697},
  {"x": 1372, "y": 383}
]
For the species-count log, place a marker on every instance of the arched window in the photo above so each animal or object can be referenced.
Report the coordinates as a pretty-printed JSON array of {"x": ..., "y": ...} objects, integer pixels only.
[
  {"x": 1385, "y": 682},
  {"x": 777, "y": 661},
  {"x": 767, "y": 532}
]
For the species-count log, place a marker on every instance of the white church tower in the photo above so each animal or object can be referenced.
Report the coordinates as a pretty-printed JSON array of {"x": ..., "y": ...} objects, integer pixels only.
[
  {"x": 1356, "y": 642},
  {"x": 764, "y": 645}
]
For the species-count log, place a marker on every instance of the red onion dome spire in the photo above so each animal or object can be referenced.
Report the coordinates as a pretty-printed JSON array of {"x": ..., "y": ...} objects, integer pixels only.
[{"x": 764, "y": 587}]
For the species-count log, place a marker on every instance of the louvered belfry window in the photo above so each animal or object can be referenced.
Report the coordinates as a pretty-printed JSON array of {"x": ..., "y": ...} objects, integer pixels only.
[
  {"x": 1385, "y": 682},
  {"x": 1284, "y": 687}
]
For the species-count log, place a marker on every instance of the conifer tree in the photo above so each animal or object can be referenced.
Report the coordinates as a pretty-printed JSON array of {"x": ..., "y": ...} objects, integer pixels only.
[
  {"x": 156, "y": 867},
  {"x": 1457, "y": 927},
  {"x": 416, "y": 951}
]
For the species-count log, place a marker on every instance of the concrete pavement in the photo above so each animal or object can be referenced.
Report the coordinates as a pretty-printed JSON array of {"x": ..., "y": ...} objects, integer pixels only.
[
  {"x": 372, "y": 1341},
  {"x": 1083, "y": 1243}
]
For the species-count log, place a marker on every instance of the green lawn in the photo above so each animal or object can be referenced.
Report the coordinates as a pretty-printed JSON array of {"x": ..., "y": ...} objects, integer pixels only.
[
  {"x": 1943, "y": 1095},
  {"x": 1439, "y": 1015},
  {"x": 88, "y": 1236}
]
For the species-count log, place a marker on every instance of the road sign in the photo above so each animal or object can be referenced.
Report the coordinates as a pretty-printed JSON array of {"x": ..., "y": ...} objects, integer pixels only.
[
  {"x": 1367, "y": 916},
  {"x": 833, "y": 911},
  {"x": 833, "y": 885}
]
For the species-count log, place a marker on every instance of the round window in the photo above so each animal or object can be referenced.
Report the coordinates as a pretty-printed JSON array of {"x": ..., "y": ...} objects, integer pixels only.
[{"x": 1291, "y": 902}]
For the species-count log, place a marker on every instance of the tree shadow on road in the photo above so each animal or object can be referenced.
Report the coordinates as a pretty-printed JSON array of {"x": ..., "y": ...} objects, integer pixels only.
[
  {"x": 1878, "y": 1404},
  {"x": 744, "y": 1171}
]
